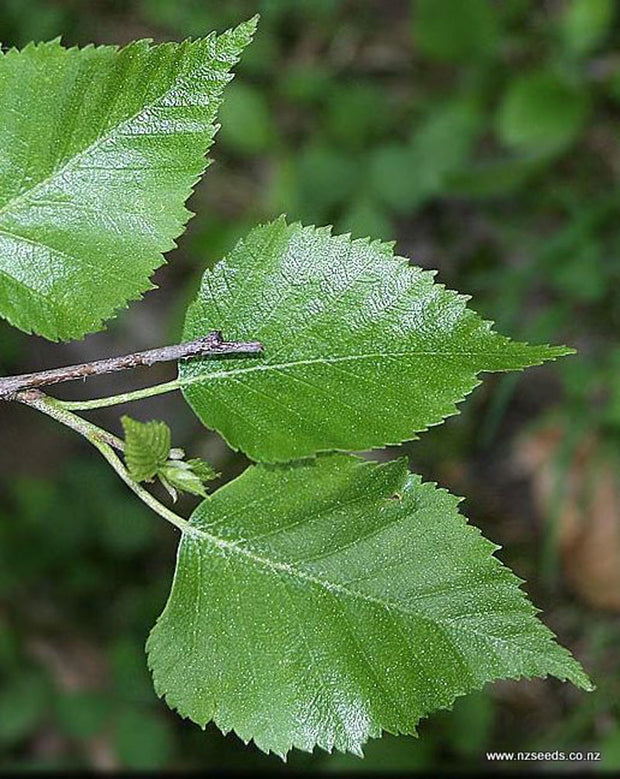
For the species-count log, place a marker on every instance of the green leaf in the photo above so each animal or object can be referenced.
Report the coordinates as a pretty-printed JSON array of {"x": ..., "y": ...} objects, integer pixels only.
[
  {"x": 496, "y": 177},
  {"x": 541, "y": 112},
  {"x": 246, "y": 120},
  {"x": 147, "y": 447},
  {"x": 406, "y": 176},
  {"x": 81, "y": 714},
  {"x": 187, "y": 476},
  {"x": 202, "y": 469},
  {"x": 356, "y": 113},
  {"x": 142, "y": 740},
  {"x": 443, "y": 142},
  {"x": 148, "y": 454},
  {"x": 366, "y": 217},
  {"x": 361, "y": 349},
  {"x": 321, "y": 602},
  {"x": 23, "y": 703},
  {"x": 469, "y": 728},
  {"x": 393, "y": 176},
  {"x": 327, "y": 178},
  {"x": 99, "y": 149},
  {"x": 586, "y": 22},
  {"x": 455, "y": 30},
  {"x": 610, "y": 749}
]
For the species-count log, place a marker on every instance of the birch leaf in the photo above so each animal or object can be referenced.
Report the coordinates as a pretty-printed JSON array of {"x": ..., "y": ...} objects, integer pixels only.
[
  {"x": 99, "y": 150},
  {"x": 321, "y": 602},
  {"x": 361, "y": 349},
  {"x": 147, "y": 447}
]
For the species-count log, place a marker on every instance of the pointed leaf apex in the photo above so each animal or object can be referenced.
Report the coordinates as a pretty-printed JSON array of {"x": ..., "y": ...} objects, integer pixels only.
[
  {"x": 362, "y": 349},
  {"x": 286, "y": 557}
]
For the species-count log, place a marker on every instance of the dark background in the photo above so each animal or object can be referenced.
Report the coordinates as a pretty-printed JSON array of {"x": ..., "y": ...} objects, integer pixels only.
[{"x": 483, "y": 137}]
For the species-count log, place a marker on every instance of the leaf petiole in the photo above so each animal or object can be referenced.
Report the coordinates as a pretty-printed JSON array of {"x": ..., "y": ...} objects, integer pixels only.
[
  {"x": 103, "y": 441},
  {"x": 123, "y": 397}
]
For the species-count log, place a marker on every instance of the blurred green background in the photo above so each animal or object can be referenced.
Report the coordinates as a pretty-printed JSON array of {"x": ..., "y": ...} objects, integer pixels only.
[{"x": 483, "y": 137}]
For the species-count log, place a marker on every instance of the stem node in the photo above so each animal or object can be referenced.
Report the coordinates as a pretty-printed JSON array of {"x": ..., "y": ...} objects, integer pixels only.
[{"x": 105, "y": 442}]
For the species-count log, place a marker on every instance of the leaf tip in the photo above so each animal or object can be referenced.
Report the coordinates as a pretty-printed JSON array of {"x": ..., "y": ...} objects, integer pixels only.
[{"x": 242, "y": 34}]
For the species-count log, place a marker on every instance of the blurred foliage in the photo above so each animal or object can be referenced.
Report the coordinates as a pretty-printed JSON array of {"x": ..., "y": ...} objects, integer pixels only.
[{"x": 482, "y": 136}]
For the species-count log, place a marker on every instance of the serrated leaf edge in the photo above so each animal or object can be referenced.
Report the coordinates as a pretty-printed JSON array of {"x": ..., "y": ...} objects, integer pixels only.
[
  {"x": 579, "y": 678},
  {"x": 249, "y": 27},
  {"x": 387, "y": 249}
]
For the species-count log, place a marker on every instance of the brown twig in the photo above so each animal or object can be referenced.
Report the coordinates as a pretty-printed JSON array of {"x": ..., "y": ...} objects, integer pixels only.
[{"x": 209, "y": 345}]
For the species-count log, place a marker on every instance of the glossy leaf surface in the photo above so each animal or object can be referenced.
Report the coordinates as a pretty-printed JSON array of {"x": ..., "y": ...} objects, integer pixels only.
[
  {"x": 99, "y": 150},
  {"x": 361, "y": 349},
  {"x": 321, "y": 602}
]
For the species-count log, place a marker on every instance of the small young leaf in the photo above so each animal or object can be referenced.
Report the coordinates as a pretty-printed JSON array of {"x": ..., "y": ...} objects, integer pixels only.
[
  {"x": 321, "y": 602},
  {"x": 203, "y": 470},
  {"x": 99, "y": 150},
  {"x": 147, "y": 447},
  {"x": 540, "y": 112},
  {"x": 361, "y": 349},
  {"x": 186, "y": 476}
]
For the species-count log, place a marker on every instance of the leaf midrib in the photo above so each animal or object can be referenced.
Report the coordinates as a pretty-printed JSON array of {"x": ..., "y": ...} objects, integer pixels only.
[
  {"x": 222, "y": 374},
  {"x": 194, "y": 532}
]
